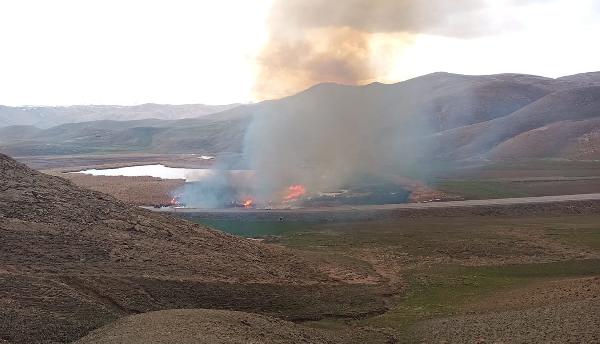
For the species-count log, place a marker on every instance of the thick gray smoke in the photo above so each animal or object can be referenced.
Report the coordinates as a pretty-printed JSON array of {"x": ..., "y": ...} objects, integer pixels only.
[
  {"x": 327, "y": 138},
  {"x": 222, "y": 187},
  {"x": 332, "y": 137}
]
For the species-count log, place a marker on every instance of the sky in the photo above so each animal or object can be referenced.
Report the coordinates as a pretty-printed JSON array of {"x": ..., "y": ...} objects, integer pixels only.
[{"x": 66, "y": 52}]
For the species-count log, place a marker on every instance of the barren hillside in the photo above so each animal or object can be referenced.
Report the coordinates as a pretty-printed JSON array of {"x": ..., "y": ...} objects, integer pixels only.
[
  {"x": 565, "y": 139},
  {"x": 201, "y": 326},
  {"x": 73, "y": 260},
  {"x": 474, "y": 140}
]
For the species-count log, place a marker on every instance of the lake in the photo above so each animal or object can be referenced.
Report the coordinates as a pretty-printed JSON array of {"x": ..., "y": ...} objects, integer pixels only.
[{"x": 161, "y": 171}]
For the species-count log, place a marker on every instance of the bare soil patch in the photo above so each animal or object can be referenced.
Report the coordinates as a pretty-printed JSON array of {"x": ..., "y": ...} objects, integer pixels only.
[
  {"x": 148, "y": 191},
  {"x": 202, "y": 326},
  {"x": 568, "y": 322}
]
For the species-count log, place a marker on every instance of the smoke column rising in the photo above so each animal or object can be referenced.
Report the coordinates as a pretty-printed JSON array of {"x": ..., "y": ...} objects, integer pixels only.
[
  {"x": 314, "y": 41},
  {"x": 331, "y": 136}
]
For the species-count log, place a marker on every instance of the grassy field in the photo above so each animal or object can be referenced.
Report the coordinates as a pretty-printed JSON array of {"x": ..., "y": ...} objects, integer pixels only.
[
  {"x": 253, "y": 229},
  {"x": 516, "y": 169},
  {"x": 496, "y": 188},
  {"x": 443, "y": 268},
  {"x": 486, "y": 180}
]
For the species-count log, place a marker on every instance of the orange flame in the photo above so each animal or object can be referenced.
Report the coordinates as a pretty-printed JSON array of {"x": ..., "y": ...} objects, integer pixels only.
[
  {"x": 248, "y": 203},
  {"x": 294, "y": 192}
]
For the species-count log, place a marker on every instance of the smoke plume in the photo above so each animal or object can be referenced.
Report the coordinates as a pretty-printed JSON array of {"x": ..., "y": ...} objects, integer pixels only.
[
  {"x": 333, "y": 136},
  {"x": 313, "y": 41}
]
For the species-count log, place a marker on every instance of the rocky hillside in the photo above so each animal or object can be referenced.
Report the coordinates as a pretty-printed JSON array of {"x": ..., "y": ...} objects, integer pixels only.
[
  {"x": 201, "y": 326},
  {"x": 73, "y": 260}
]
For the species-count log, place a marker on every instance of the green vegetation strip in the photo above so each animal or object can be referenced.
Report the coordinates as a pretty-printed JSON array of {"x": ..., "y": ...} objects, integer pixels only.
[
  {"x": 443, "y": 290},
  {"x": 481, "y": 189},
  {"x": 589, "y": 237}
]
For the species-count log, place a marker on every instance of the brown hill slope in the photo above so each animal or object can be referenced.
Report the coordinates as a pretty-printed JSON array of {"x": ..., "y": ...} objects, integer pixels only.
[
  {"x": 565, "y": 139},
  {"x": 585, "y": 79},
  {"x": 201, "y": 326},
  {"x": 477, "y": 139},
  {"x": 73, "y": 260}
]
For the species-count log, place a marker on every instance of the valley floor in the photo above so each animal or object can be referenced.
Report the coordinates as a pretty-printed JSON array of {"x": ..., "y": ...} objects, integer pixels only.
[
  {"x": 497, "y": 273},
  {"x": 486, "y": 279}
]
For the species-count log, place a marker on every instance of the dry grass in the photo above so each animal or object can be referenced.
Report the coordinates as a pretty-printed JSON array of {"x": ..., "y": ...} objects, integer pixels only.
[{"x": 148, "y": 191}]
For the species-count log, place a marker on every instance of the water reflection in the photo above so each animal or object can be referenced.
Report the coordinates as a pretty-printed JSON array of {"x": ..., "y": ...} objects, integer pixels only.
[{"x": 158, "y": 171}]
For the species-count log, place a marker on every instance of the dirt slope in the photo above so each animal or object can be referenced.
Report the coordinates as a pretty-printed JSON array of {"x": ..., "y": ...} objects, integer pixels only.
[
  {"x": 569, "y": 322},
  {"x": 573, "y": 104},
  {"x": 201, "y": 326},
  {"x": 585, "y": 79},
  {"x": 565, "y": 139},
  {"x": 73, "y": 260},
  {"x": 30, "y": 198}
]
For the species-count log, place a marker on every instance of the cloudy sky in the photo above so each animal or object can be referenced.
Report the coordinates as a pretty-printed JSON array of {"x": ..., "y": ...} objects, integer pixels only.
[{"x": 63, "y": 52}]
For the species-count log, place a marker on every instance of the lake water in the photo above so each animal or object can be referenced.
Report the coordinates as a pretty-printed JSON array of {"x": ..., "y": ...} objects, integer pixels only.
[{"x": 160, "y": 171}]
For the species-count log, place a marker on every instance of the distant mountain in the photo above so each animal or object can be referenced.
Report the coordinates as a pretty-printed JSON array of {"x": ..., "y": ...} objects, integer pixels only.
[
  {"x": 48, "y": 116},
  {"x": 453, "y": 116}
]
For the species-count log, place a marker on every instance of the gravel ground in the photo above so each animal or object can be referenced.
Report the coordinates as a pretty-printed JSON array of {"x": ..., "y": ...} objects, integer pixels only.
[
  {"x": 202, "y": 326},
  {"x": 571, "y": 322}
]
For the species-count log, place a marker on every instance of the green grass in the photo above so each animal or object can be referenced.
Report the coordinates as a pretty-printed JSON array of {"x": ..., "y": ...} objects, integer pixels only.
[
  {"x": 444, "y": 290},
  {"x": 484, "y": 180},
  {"x": 565, "y": 167},
  {"x": 589, "y": 237},
  {"x": 523, "y": 168},
  {"x": 438, "y": 290},
  {"x": 251, "y": 229},
  {"x": 481, "y": 189}
]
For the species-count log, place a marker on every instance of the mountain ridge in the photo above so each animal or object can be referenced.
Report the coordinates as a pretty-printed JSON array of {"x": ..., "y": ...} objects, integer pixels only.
[
  {"x": 48, "y": 116},
  {"x": 450, "y": 113}
]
